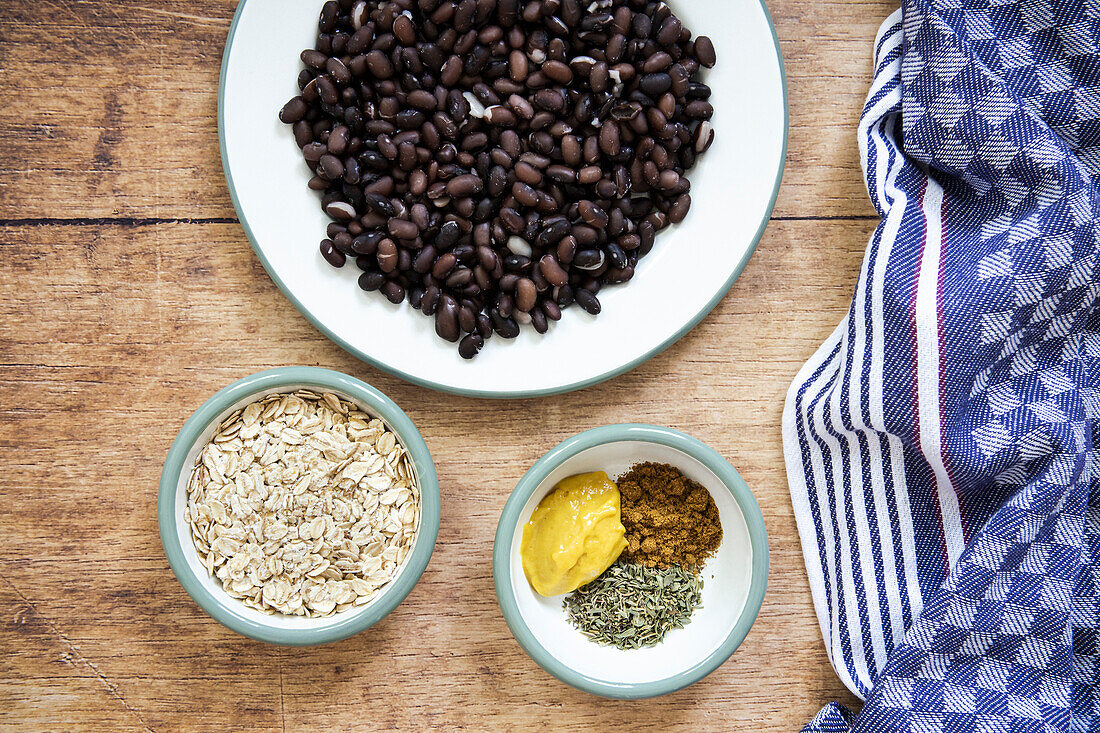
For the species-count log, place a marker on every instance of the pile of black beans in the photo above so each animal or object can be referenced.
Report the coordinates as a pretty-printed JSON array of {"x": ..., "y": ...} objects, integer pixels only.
[{"x": 496, "y": 161}]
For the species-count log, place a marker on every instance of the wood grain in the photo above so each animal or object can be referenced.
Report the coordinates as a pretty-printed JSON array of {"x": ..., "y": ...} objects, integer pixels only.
[{"x": 128, "y": 294}]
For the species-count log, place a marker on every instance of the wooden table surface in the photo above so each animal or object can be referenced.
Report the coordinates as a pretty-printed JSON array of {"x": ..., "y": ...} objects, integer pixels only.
[{"x": 129, "y": 294}]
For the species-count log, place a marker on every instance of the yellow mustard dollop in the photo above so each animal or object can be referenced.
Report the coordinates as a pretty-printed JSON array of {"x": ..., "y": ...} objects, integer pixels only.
[{"x": 574, "y": 534}]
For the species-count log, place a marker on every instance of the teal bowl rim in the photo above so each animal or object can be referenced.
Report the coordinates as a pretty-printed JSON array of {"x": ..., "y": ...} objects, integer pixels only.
[
  {"x": 490, "y": 393},
  {"x": 570, "y": 447},
  {"x": 377, "y": 404}
]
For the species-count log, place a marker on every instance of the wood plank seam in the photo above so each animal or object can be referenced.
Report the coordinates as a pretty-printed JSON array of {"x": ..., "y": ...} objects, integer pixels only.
[
  {"x": 114, "y": 221},
  {"x": 152, "y": 220},
  {"x": 75, "y": 655}
]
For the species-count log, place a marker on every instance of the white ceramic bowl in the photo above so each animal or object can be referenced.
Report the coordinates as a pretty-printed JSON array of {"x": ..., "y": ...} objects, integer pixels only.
[
  {"x": 734, "y": 579},
  {"x": 734, "y": 187},
  {"x": 207, "y": 591}
]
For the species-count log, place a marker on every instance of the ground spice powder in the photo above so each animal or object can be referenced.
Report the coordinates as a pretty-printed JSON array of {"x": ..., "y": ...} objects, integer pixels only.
[{"x": 669, "y": 519}]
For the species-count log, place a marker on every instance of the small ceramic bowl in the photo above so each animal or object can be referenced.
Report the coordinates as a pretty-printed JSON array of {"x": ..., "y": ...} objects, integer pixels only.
[
  {"x": 207, "y": 591},
  {"x": 734, "y": 579}
]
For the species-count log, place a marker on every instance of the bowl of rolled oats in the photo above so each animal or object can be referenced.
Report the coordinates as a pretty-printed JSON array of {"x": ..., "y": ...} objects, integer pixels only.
[{"x": 298, "y": 506}]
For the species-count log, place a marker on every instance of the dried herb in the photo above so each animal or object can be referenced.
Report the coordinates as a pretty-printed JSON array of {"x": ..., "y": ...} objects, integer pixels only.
[{"x": 631, "y": 606}]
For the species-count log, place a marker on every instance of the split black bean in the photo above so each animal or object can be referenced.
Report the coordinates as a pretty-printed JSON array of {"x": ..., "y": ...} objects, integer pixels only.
[
  {"x": 470, "y": 345},
  {"x": 493, "y": 162}
]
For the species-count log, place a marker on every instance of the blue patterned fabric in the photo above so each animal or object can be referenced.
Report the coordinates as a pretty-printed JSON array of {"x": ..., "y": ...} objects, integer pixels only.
[{"x": 941, "y": 445}]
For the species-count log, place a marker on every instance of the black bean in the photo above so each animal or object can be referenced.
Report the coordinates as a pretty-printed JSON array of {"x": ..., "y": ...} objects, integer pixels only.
[
  {"x": 589, "y": 174},
  {"x": 326, "y": 90},
  {"x": 538, "y": 321},
  {"x": 366, "y": 244},
  {"x": 506, "y": 327},
  {"x": 517, "y": 263},
  {"x": 404, "y": 29},
  {"x": 446, "y": 319},
  {"x": 615, "y": 276},
  {"x": 314, "y": 59},
  {"x": 704, "y": 52},
  {"x": 679, "y": 209},
  {"x": 342, "y": 241},
  {"x": 552, "y": 270},
  {"x": 464, "y": 185},
  {"x": 655, "y": 84},
  {"x": 511, "y": 219},
  {"x": 593, "y": 215},
  {"x": 333, "y": 256},
  {"x": 670, "y": 31},
  {"x": 294, "y": 110},
  {"x": 422, "y": 100},
  {"x": 448, "y": 234},
  {"x": 528, "y": 173},
  {"x": 359, "y": 41},
  {"x": 526, "y": 294},
  {"x": 430, "y": 302},
  {"x": 394, "y": 291},
  {"x": 331, "y": 166},
  {"x": 699, "y": 109},
  {"x": 599, "y": 77},
  {"x": 525, "y": 194},
  {"x": 379, "y": 203},
  {"x": 424, "y": 259},
  {"x": 371, "y": 280},
  {"x": 409, "y": 119},
  {"x": 403, "y": 229},
  {"x": 659, "y": 61},
  {"x": 327, "y": 21},
  {"x": 609, "y": 138},
  {"x": 616, "y": 47},
  {"x": 303, "y": 133},
  {"x": 587, "y": 300},
  {"x": 668, "y": 180},
  {"x": 564, "y": 297},
  {"x": 561, "y": 174},
  {"x": 336, "y": 69},
  {"x": 566, "y": 249},
  {"x": 476, "y": 141},
  {"x": 459, "y": 278},
  {"x": 387, "y": 255},
  {"x": 443, "y": 265},
  {"x": 379, "y": 65},
  {"x": 588, "y": 259},
  {"x": 616, "y": 255},
  {"x": 558, "y": 71},
  {"x": 338, "y": 140},
  {"x": 551, "y": 234}
]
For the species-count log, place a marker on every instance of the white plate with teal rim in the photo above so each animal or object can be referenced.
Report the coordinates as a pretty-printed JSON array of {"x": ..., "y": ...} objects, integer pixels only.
[
  {"x": 734, "y": 578},
  {"x": 692, "y": 266}
]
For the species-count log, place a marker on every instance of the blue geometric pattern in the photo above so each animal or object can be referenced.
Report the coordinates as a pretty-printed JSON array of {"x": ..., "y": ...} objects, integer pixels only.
[{"x": 943, "y": 446}]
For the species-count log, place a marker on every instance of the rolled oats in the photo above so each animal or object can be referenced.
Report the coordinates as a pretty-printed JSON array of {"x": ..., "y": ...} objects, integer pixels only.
[{"x": 302, "y": 504}]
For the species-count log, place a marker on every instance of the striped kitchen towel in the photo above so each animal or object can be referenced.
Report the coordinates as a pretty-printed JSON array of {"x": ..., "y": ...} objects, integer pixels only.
[{"x": 940, "y": 446}]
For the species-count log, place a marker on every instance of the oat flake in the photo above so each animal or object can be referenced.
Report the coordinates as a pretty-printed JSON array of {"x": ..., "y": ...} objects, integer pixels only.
[{"x": 302, "y": 504}]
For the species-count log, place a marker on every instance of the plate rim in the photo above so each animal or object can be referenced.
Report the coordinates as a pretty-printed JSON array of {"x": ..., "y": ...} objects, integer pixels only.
[{"x": 329, "y": 333}]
